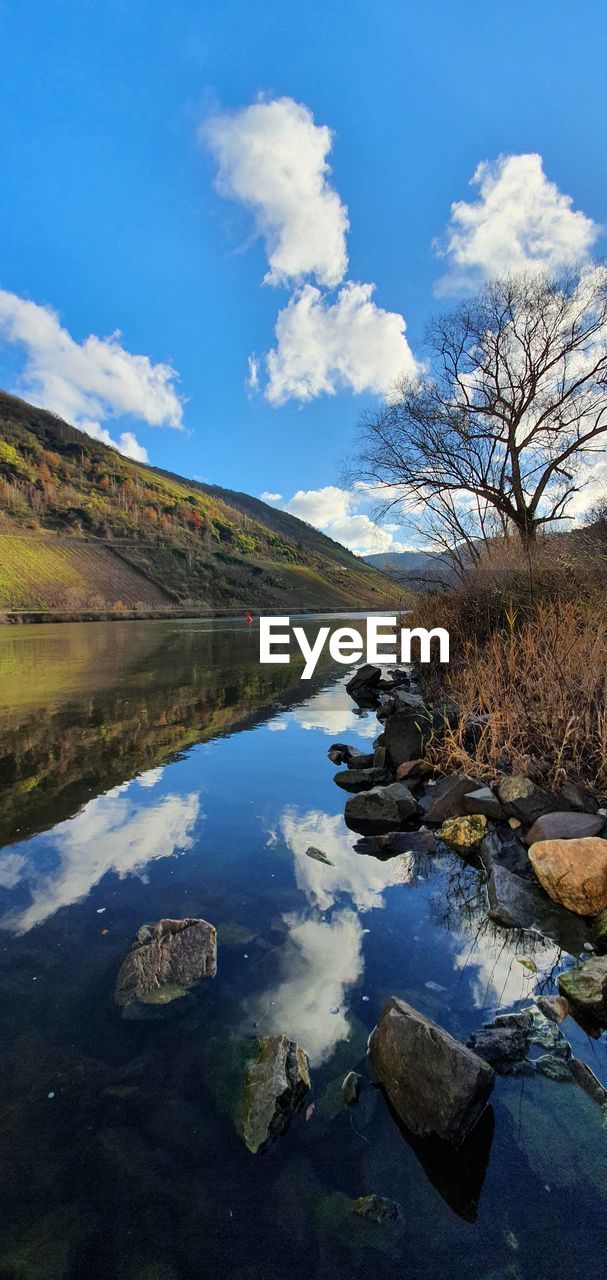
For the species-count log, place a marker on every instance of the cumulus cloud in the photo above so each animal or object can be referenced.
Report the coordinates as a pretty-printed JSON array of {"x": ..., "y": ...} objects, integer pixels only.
[
  {"x": 520, "y": 221},
  {"x": 272, "y": 157},
  {"x": 325, "y": 346},
  {"x": 319, "y": 962},
  {"x": 270, "y": 497},
  {"x": 337, "y": 512},
  {"x": 111, "y": 833},
  {"x": 362, "y": 879},
  {"x": 91, "y": 381}
]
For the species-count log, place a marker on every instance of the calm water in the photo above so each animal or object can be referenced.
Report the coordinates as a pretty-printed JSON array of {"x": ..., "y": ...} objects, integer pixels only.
[{"x": 155, "y": 769}]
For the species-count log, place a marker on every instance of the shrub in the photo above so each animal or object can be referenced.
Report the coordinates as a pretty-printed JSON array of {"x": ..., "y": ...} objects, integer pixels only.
[{"x": 542, "y": 684}]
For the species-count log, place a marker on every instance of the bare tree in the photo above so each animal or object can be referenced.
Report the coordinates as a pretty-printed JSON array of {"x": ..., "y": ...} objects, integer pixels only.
[{"x": 495, "y": 436}]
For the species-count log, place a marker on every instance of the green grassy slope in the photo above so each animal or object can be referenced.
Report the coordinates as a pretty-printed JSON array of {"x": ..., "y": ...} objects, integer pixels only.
[{"x": 81, "y": 527}]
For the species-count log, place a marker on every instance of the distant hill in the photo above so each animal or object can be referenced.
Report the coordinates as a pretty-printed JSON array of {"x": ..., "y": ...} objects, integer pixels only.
[
  {"x": 82, "y": 529},
  {"x": 410, "y": 567}
]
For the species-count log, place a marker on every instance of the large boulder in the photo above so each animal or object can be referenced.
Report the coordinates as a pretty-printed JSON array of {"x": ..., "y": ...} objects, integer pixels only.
[
  {"x": 449, "y": 797},
  {"x": 276, "y": 1083},
  {"x": 435, "y": 1084},
  {"x": 381, "y": 809},
  {"x": 585, "y": 986},
  {"x": 573, "y": 872},
  {"x": 565, "y": 825},
  {"x": 404, "y": 737},
  {"x": 165, "y": 960}
]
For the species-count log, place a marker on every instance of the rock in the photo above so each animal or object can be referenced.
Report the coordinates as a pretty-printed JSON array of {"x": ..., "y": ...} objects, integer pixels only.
[
  {"x": 395, "y": 842},
  {"x": 503, "y": 1041},
  {"x": 379, "y": 758},
  {"x": 565, "y": 826},
  {"x": 234, "y": 935},
  {"x": 599, "y": 931},
  {"x": 350, "y": 1089},
  {"x": 377, "y": 1209},
  {"x": 406, "y": 701},
  {"x": 555, "y": 1008},
  {"x": 359, "y": 779},
  {"x": 463, "y": 833},
  {"x": 484, "y": 801},
  {"x": 573, "y": 872},
  {"x": 448, "y": 797},
  {"x": 410, "y": 769},
  {"x": 434, "y": 1083},
  {"x": 165, "y": 960},
  {"x": 318, "y": 855},
  {"x": 404, "y": 737},
  {"x": 445, "y": 714},
  {"x": 343, "y": 753},
  {"x": 513, "y": 902},
  {"x": 381, "y": 809},
  {"x": 276, "y": 1084},
  {"x": 364, "y": 680},
  {"x": 522, "y": 799},
  {"x": 587, "y": 1079},
  {"x": 508, "y": 851},
  {"x": 585, "y": 986},
  {"x": 576, "y": 798}
]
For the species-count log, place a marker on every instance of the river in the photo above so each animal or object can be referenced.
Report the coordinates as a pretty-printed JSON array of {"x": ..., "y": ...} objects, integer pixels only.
[{"x": 155, "y": 769}]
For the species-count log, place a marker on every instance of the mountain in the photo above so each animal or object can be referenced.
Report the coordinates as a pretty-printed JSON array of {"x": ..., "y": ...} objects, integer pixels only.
[
  {"x": 414, "y": 568},
  {"x": 84, "y": 529}
]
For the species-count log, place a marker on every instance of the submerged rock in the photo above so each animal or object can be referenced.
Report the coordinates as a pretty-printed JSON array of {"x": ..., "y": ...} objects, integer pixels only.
[
  {"x": 565, "y": 826},
  {"x": 381, "y": 809},
  {"x": 276, "y": 1084},
  {"x": 350, "y": 1089},
  {"x": 395, "y": 842},
  {"x": 435, "y": 1084},
  {"x": 555, "y": 1008},
  {"x": 165, "y": 960},
  {"x": 464, "y": 833},
  {"x": 503, "y": 1041},
  {"x": 318, "y": 855},
  {"x": 585, "y": 986},
  {"x": 573, "y": 872},
  {"x": 376, "y": 1209}
]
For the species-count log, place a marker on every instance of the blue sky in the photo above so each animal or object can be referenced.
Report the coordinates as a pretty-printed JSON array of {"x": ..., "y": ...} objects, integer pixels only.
[{"x": 139, "y": 196}]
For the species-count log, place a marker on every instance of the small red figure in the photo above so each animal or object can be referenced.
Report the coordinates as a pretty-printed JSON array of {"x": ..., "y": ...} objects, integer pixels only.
[{"x": 248, "y": 618}]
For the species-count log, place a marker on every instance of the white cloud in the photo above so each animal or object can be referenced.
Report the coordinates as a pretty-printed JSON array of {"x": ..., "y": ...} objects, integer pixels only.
[
  {"x": 521, "y": 221},
  {"x": 272, "y": 157},
  {"x": 271, "y": 497},
  {"x": 90, "y": 381},
  {"x": 320, "y": 960},
  {"x": 361, "y": 877},
  {"x": 337, "y": 513},
  {"x": 112, "y": 833},
  {"x": 324, "y": 347}
]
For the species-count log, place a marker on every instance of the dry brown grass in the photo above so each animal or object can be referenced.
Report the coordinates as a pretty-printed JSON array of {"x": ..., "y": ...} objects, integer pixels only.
[{"x": 542, "y": 683}]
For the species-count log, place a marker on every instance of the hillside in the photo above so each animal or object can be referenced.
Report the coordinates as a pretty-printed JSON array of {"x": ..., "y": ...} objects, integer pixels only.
[
  {"x": 84, "y": 529},
  {"x": 414, "y": 568}
]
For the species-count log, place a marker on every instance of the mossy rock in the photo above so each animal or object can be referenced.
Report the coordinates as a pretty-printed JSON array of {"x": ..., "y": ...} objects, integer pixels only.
[{"x": 464, "y": 833}]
